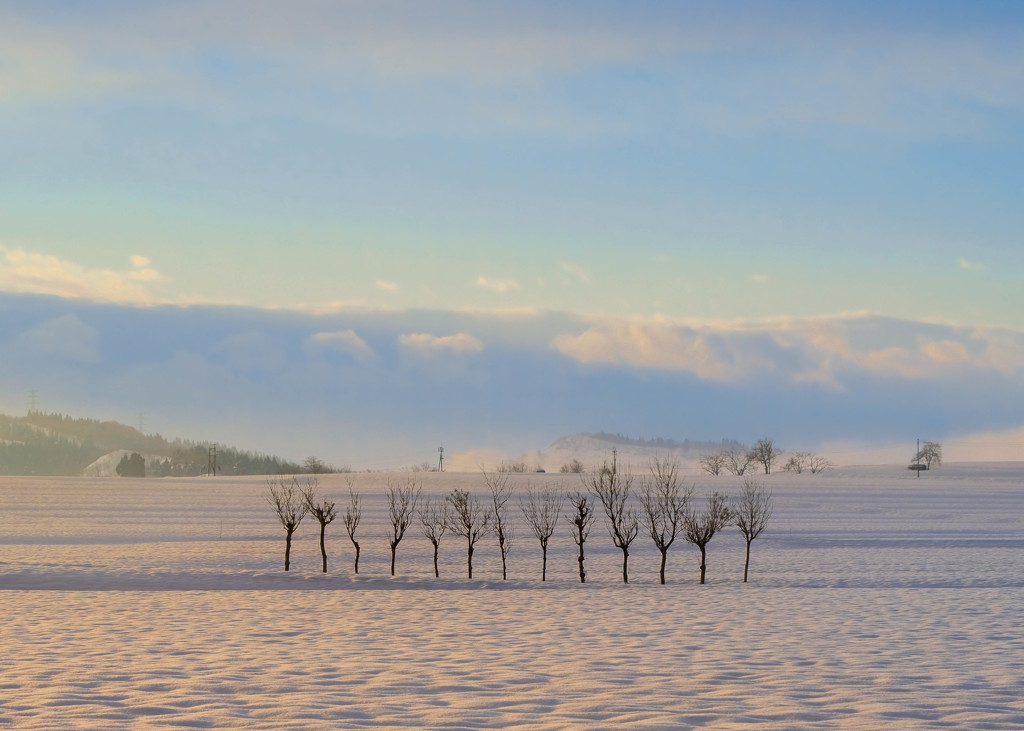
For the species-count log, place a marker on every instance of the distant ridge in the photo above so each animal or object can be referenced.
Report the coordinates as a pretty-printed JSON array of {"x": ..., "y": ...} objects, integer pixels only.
[
  {"x": 687, "y": 446},
  {"x": 60, "y": 445},
  {"x": 591, "y": 449}
]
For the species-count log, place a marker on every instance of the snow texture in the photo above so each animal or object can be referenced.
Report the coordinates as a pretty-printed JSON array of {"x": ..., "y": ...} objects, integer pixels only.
[{"x": 877, "y": 599}]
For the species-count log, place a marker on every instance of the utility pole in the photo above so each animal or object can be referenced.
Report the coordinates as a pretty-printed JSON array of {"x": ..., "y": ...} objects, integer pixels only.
[
  {"x": 918, "y": 470},
  {"x": 440, "y": 459}
]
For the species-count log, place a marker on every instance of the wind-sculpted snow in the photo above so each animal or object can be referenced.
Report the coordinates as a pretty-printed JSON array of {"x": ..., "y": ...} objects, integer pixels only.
[{"x": 876, "y": 600}]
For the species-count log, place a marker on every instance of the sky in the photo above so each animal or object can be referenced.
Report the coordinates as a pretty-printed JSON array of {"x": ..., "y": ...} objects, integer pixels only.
[{"x": 797, "y": 217}]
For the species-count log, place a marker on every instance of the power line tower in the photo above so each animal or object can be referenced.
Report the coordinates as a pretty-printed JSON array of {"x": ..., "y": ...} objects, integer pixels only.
[
  {"x": 140, "y": 423},
  {"x": 440, "y": 459},
  {"x": 33, "y": 400},
  {"x": 211, "y": 461}
]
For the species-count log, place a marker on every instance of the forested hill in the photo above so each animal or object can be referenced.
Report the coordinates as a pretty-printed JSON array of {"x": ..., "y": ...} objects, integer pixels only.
[{"x": 55, "y": 444}]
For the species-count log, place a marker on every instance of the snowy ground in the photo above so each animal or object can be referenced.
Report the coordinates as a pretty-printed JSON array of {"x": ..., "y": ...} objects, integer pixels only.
[{"x": 876, "y": 600}]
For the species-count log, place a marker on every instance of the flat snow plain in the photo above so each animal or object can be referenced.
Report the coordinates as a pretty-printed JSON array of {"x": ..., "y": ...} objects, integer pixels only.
[{"x": 876, "y": 600}]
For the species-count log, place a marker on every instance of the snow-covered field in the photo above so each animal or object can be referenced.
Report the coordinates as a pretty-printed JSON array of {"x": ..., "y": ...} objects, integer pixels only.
[{"x": 876, "y": 600}]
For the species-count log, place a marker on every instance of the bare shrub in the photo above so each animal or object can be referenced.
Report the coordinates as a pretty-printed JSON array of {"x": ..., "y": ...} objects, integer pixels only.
[
  {"x": 434, "y": 521},
  {"x": 700, "y": 528},
  {"x": 285, "y": 496},
  {"x": 401, "y": 508},
  {"x": 469, "y": 520},
  {"x": 581, "y": 519},
  {"x": 612, "y": 489},
  {"x": 663, "y": 504},
  {"x": 751, "y": 514},
  {"x": 540, "y": 510}
]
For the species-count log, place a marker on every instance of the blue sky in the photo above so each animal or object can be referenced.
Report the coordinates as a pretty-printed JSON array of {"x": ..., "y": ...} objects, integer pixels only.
[{"x": 633, "y": 172}]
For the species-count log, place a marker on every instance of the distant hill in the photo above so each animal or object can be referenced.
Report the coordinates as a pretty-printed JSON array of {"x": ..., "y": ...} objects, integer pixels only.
[
  {"x": 688, "y": 447},
  {"x": 594, "y": 448},
  {"x": 55, "y": 444}
]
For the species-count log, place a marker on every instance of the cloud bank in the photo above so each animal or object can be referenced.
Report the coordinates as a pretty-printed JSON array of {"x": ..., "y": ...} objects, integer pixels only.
[{"x": 384, "y": 388}]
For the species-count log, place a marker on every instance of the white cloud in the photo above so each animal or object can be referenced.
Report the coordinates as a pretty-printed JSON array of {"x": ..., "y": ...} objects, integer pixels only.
[
  {"x": 658, "y": 345},
  {"x": 575, "y": 270},
  {"x": 498, "y": 286},
  {"x": 386, "y": 285},
  {"x": 460, "y": 342},
  {"x": 759, "y": 278},
  {"x": 343, "y": 341},
  {"x": 970, "y": 266},
  {"x": 819, "y": 350},
  {"x": 26, "y": 272}
]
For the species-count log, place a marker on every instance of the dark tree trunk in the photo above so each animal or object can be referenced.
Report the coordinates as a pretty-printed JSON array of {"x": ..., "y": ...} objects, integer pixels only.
[
  {"x": 703, "y": 564},
  {"x": 504, "y": 572},
  {"x": 469, "y": 560},
  {"x": 323, "y": 548},
  {"x": 288, "y": 551},
  {"x": 664, "y": 557},
  {"x": 544, "y": 565},
  {"x": 437, "y": 574},
  {"x": 356, "y": 567},
  {"x": 746, "y": 564},
  {"x": 579, "y": 560},
  {"x": 625, "y": 565},
  {"x": 393, "y": 547}
]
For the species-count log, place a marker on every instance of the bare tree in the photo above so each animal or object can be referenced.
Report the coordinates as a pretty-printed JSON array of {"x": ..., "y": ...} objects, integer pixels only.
[
  {"x": 713, "y": 463},
  {"x": 541, "y": 509},
  {"x": 751, "y": 514},
  {"x": 499, "y": 483},
  {"x": 353, "y": 514},
  {"x": 469, "y": 520},
  {"x": 581, "y": 519},
  {"x": 701, "y": 528},
  {"x": 737, "y": 462},
  {"x": 434, "y": 521},
  {"x": 285, "y": 496},
  {"x": 613, "y": 490},
  {"x": 798, "y": 462},
  {"x": 765, "y": 453},
  {"x": 930, "y": 453},
  {"x": 664, "y": 504},
  {"x": 314, "y": 465},
  {"x": 574, "y": 467},
  {"x": 321, "y": 509},
  {"x": 819, "y": 464},
  {"x": 519, "y": 466},
  {"x": 401, "y": 508}
]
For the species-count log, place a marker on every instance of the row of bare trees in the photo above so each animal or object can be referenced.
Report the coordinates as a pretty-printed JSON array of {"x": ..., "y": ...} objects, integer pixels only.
[
  {"x": 662, "y": 507},
  {"x": 665, "y": 512},
  {"x": 764, "y": 454}
]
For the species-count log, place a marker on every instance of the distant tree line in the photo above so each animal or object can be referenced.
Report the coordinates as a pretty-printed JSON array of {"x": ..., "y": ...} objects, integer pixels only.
[
  {"x": 55, "y": 444},
  {"x": 764, "y": 455},
  {"x": 687, "y": 445}
]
